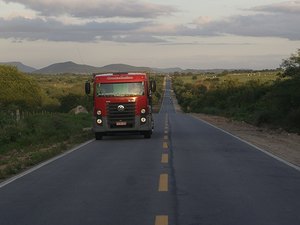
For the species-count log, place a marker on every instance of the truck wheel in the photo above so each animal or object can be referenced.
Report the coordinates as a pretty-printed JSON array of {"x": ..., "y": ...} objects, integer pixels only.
[
  {"x": 147, "y": 134},
  {"x": 98, "y": 136}
]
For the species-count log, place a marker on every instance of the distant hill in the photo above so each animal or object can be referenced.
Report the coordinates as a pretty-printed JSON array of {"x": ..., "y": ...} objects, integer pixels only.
[
  {"x": 21, "y": 67},
  {"x": 167, "y": 70},
  {"x": 123, "y": 68},
  {"x": 71, "y": 67},
  {"x": 67, "y": 67}
]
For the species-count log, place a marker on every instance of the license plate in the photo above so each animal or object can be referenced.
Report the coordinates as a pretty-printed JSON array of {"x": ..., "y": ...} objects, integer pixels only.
[{"x": 121, "y": 123}]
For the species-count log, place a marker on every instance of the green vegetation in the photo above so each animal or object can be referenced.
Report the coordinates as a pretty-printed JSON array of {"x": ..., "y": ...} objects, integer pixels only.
[
  {"x": 37, "y": 138},
  {"x": 262, "y": 98},
  {"x": 63, "y": 92},
  {"x": 158, "y": 94},
  {"x": 34, "y": 120},
  {"x": 18, "y": 89},
  {"x": 291, "y": 66}
]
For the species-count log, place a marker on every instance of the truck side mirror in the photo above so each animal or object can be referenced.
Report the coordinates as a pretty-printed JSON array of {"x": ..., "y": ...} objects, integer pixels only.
[
  {"x": 87, "y": 87},
  {"x": 153, "y": 85}
]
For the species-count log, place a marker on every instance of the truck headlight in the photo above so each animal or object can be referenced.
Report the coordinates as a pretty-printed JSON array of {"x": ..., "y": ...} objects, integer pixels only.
[
  {"x": 143, "y": 120},
  {"x": 99, "y": 112},
  {"x": 99, "y": 121},
  {"x": 143, "y": 111}
]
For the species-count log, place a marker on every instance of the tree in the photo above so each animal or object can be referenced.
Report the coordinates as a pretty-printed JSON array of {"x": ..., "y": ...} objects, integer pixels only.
[
  {"x": 291, "y": 66},
  {"x": 18, "y": 89},
  {"x": 70, "y": 101}
]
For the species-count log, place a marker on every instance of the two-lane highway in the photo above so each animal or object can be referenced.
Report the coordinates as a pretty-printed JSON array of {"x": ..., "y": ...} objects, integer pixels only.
[{"x": 188, "y": 173}]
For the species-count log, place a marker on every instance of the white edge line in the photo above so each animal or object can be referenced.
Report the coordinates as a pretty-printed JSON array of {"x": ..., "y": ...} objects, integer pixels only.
[
  {"x": 252, "y": 145},
  {"x": 12, "y": 179}
]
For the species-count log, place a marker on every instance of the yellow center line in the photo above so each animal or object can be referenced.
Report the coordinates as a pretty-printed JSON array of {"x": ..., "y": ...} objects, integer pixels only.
[
  {"x": 161, "y": 220},
  {"x": 163, "y": 182},
  {"x": 163, "y": 178},
  {"x": 165, "y": 145},
  {"x": 165, "y": 158}
]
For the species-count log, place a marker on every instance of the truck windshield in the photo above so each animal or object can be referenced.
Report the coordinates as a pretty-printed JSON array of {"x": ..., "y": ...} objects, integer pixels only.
[{"x": 120, "y": 89}]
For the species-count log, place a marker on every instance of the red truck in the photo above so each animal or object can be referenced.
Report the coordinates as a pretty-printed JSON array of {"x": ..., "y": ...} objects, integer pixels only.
[{"x": 122, "y": 104}]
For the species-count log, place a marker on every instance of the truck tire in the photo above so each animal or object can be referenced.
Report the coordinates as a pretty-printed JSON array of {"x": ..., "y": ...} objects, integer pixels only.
[
  {"x": 147, "y": 134},
  {"x": 98, "y": 136}
]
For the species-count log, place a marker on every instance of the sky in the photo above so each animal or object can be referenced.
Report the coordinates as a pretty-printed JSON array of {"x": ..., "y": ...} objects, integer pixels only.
[{"x": 196, "y": 34}]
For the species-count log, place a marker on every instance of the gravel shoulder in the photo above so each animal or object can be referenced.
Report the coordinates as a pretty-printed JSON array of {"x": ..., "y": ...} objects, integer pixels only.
[{"x": 277, "y": 142}]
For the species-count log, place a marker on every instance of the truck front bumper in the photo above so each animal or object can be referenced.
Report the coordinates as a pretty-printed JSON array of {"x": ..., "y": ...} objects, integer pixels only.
[{"x": 137, "y": 127}]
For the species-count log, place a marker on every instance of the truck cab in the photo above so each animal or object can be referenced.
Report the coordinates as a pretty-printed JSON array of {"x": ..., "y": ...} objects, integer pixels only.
[{"x": 122, "y": 104}]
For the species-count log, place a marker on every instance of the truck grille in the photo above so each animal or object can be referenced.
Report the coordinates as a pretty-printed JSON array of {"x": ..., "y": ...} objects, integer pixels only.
[{"x": 118, "y": 118}]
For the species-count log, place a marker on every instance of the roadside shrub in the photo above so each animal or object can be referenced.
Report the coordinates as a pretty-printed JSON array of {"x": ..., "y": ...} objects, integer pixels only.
[
  {"x": 274, "y": 104},
  {"x": 18, "y": 89},
  {"x": 291, "y": 66},
  {"x": 69, "y": 102},
  {"x": 211, "y": 110},
  {"x": 293, "y": 120},
  {"x": 262, "y": 117}
]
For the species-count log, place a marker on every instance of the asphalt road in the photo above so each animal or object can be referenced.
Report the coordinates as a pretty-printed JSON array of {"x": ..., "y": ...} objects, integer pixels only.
[{"x": 188, "y": 173}]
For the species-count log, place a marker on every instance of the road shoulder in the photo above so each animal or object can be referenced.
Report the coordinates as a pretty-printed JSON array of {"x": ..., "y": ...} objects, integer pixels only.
[{"x": 279, "y": 143}]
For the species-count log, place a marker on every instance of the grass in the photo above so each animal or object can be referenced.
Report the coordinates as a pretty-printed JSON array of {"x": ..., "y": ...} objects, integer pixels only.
[
  {"x": 58, "y": 85},
  {"x": 238, "y": 77}
]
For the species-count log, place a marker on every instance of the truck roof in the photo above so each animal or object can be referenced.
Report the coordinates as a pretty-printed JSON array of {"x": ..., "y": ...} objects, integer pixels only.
[
  {"x": 119, "y": 73},
  {"x": 124, "y": 76}
]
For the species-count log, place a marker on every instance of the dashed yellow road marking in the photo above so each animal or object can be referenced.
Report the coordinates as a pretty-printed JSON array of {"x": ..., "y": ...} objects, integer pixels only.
[
  {"x": 163, "y": 178},
  {"x": 163, "y": 182},
  {"x": 161, "y": 220},
  {"x": 165, "y": 145},
  {"x": 165, "y": 158}
]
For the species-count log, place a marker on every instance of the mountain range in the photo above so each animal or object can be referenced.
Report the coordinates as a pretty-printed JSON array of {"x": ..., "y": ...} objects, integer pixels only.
[
  {"x": 20, "y": 66},
  {"x": 71, "y": 67}
]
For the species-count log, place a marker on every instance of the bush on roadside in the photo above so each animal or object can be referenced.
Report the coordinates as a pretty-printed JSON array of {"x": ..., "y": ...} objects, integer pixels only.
[
  {"x": 18, "y": 89},
  {"x": 274, "y": 104}
]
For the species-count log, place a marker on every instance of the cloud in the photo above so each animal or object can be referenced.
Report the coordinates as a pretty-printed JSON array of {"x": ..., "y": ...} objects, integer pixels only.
[
  {"x": 280, "y": 23},
  {"x": 259, "y": 25},
  {"x": 202, "y": 20},
  {"x": 159, "y": 29},
  {"x": 136, "y": 38},
  {"x": 52, "y": 30},
  {"x": 283, "y": 7},
  {"x": 97, "y": 8},
  {"x": 275, "y": 20}
]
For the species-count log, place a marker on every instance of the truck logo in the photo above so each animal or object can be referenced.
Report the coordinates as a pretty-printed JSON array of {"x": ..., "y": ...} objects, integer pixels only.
[{"x": 121, "y": 108}]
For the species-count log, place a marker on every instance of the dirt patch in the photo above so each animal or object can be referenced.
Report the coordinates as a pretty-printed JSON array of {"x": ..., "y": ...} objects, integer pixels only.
[{"x": 278, "y": 142}]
